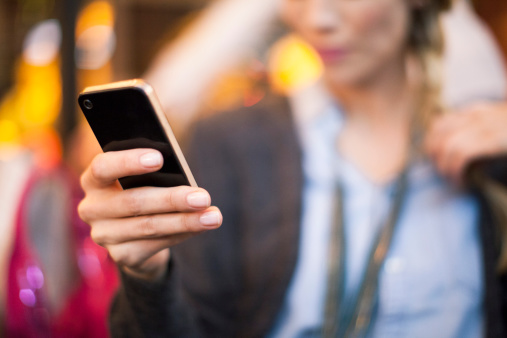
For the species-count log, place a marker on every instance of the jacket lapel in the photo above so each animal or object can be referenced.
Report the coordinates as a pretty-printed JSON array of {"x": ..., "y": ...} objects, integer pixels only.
[{"x": 272, "y": 198}]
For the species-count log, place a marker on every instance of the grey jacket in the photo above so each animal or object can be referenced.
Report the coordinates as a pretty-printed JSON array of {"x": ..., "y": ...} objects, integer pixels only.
[{"x": 231, "y": 282}]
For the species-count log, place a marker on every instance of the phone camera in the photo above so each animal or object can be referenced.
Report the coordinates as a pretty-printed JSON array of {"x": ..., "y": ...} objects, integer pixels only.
[{"x": 88, "y": 104}]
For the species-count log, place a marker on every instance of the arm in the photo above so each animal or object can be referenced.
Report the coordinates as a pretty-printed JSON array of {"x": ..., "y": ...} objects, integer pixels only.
[
  {"x": 151, "y": 309},
  {"x": 184, "y": 70}
]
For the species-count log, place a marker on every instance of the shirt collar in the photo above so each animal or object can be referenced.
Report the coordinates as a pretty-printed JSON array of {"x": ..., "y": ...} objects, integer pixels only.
[
  {"x": 313, "y": 107},
  {"x": 310, "y": 102}
]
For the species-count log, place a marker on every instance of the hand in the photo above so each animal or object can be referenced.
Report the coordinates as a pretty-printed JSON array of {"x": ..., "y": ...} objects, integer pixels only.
[
  {"x": 455, "y": 139},
  {"x": 138, "y": 226}
]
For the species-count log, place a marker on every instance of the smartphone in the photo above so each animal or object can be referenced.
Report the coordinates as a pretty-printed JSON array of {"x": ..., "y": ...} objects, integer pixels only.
[{"x": 126, "y": 115}]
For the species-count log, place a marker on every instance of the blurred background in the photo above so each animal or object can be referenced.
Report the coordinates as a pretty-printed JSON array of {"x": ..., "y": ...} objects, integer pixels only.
[
  {"x": 52, "y": 49},
  {"x": 200, "y": 56}
]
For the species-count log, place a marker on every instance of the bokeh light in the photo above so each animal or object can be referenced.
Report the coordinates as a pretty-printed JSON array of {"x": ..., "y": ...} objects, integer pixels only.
[
  {"x": 293, "y": 65},
  {"x": 42, "y": 44},
  {"x": 9, "y": 131},
  {"x": 95, "y": 37},
  {"x": 28, "y": 112}
]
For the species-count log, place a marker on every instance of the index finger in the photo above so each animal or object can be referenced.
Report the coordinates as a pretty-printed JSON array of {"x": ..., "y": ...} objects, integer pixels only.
[{"x": 107, "y": 167}]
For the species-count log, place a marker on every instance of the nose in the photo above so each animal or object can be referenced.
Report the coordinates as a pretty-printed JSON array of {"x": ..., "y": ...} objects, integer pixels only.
[{"x": 321, "y": 15}]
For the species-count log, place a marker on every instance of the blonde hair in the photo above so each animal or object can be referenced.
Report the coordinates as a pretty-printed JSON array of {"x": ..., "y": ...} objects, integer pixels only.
[{"x": 427, "y": 44}]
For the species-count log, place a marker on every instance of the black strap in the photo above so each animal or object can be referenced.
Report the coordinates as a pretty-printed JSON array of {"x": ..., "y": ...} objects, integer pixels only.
[{"x": 352, "y": 318}]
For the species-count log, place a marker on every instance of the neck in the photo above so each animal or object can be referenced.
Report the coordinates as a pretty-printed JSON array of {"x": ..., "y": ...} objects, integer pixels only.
[
  {"x": 375, "y": 136},
  {"x": 384, "y": 101}
]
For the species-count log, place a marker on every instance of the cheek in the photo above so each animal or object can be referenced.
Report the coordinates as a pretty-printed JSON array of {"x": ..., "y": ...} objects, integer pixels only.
[
  {"x": 383, "y": 26},
  {"x": 289, "y": 12},
  {"x": 373, "y": 18}
]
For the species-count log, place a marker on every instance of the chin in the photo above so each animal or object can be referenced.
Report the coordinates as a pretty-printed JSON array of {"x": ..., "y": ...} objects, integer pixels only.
[
  {"x": 350, "y": 74},
  {"x": 343, "y": 76}
]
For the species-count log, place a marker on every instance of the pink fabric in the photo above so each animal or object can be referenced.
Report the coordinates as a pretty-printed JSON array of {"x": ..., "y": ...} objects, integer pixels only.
[{"x": 86, "y": 308}]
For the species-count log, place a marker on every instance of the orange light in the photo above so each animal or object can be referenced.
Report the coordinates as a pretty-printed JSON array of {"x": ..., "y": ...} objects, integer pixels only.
[
  {"x": 293, "y": 64},
  {"x": 9, "y": 131},
  {"x": 97, "y": 13},
  {"x": 40, "y": 95},
  {"x": 46, "y": 146}
]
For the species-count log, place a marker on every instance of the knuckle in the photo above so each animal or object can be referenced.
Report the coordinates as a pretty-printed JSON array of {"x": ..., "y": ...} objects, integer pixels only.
[
  {"x": 456, "y": 151},
  {"x": 450, "y": 149},
  {"x": 96, "y": 167},
  {"x": 186, "y": 223},
  {"x": 83, "y": 211},
  {"x": 83, "y": 181},
  {"x": 97, "y": 236},
  {"x": 133, "y": 203},
  {"x": 125, "y": 164},
  {"x": 170, "y": 199},
  {"x": 120, "y": 257},
  {"x": 123, "y": 257},
  {"x": 148, "y": 227}
]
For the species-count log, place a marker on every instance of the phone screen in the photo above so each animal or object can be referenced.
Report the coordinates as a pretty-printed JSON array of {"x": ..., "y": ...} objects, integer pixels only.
[{"x": 124, "y": 119}]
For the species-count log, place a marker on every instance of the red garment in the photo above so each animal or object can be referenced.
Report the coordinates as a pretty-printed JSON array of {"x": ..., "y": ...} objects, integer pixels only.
[{"x": 86, "y": 308}]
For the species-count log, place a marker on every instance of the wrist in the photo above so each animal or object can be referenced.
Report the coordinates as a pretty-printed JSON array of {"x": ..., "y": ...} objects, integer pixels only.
[{"x": 152, "y": 270}]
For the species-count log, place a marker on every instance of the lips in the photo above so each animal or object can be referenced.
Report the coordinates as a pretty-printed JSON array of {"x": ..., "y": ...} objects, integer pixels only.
[{"x": 331, "y": 54}]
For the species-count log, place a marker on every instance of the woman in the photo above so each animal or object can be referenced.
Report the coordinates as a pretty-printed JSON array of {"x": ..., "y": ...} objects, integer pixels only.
[{"x": 291, "y": 183}]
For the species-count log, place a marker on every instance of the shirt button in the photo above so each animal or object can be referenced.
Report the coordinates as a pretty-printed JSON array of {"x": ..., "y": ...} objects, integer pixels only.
[{"x": 394, "y": 265}]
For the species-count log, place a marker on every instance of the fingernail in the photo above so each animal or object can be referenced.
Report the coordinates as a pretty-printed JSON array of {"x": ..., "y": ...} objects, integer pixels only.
[
  {"x": 211, "y": 218},
  {"x": 151, "y": 160},
  {"x": 198, "y": 200}
]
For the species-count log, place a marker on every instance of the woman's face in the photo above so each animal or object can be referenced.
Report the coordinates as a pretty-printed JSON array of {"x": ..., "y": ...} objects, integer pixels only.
[{"x": 356, "y": 39}]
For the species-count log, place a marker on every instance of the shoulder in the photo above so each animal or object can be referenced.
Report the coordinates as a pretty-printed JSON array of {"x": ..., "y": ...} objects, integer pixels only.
[
  {"x": 249, "y": 141},
  {"x": 272, "y": 113}
]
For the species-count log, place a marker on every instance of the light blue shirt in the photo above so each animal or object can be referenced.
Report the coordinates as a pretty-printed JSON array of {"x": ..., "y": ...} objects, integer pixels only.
[{"x": 431, "y": 283}]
